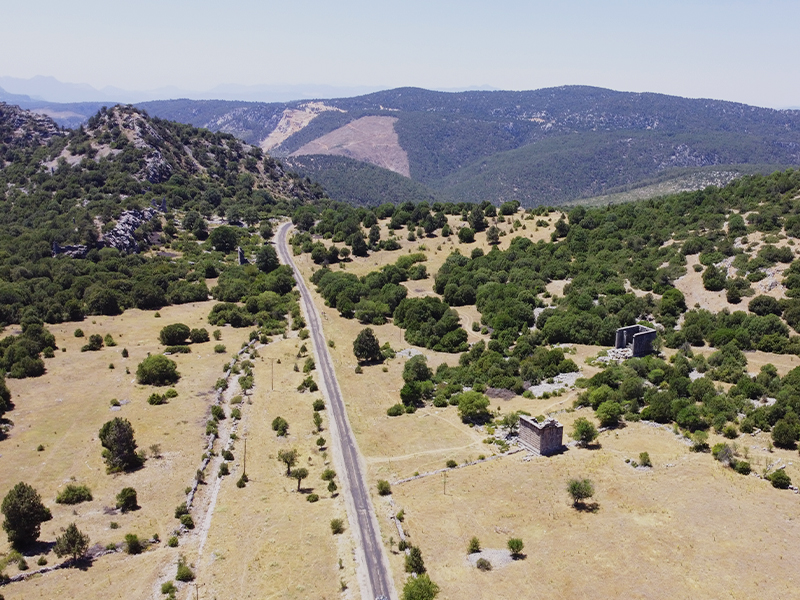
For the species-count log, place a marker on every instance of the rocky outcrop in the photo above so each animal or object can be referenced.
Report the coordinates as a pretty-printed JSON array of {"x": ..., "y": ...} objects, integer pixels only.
[
  {"x": 70, "y": 251},
  {"x": 122, "y": 236},
  {"x": 22, "y": 128}
]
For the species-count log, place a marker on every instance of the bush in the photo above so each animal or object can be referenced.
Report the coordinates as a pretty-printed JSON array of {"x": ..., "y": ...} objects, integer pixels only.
[
  {"x": 95, "y": 343},
  {"x": 414, "y": 562},
  {"x": 483, "y": 564},
  {"x": 169, "y": 588},
  {"x": 78, "y": 333},
  {"x": 181, "y": 510},
  {"x": 384, "y": 488},
  {"x": 742, "y": 467},
  {"x": 198, "y": 336},
  {"x": 420, "y": 587},
  {"x": 132, "y": 544},
  {"x": 177, "y": 350},
  {"x": 172, "y": 542},
  {"x": 171, "y": 393},
  {"x": 474, "y": 546},
  {"x": 187, "y": 521},
  {"x": 174, "y": 335},
  {"x": 337, "y": 526},
  {"x": 396, "y": 410},
  {"x": 318, "y": 405},
  {"x": 223, "y": 470},
  {"x": 312, "y": 497},
  {"x": 644, "y": 459},
  {"x": 580, "y": 490},
  {"x": 780, "y": 480},
  {"x": 583, "y": 431},
  {"x": 157, "y": 370},
  {"x": 184, "y": 573},
  {"x": 515, "y": 545},
  {"x": 157, "y": 399},
  {"x": 451, "y": 464},
  {"x": 220, "y": 349},
  {"x": 74, "y": 494},
  {"x": 218, "y": 412},
  {"x": 280, "y": 426},
  {"x": 126, "y": 500}
]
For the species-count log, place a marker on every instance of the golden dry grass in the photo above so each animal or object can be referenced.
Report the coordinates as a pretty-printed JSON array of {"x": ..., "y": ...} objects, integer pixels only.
[{"x": 64, "y": 410}]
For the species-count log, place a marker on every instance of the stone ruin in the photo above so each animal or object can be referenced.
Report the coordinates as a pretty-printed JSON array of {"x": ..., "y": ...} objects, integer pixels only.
[
  {"x": 638, "y": 338},
  {"x": 240, "y": 255},
  {"x": 544, "y": 438}
]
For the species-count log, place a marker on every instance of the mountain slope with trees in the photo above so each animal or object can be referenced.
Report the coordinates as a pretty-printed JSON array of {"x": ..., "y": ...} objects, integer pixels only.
[{"x": 537, "y": 147}]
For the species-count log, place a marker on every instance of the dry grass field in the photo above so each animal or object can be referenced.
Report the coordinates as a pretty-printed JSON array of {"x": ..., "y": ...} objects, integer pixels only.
[{"x": 689, "y": 527}]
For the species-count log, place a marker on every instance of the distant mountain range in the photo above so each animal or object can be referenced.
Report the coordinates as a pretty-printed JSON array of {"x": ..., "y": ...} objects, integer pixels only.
[{"x": 546, "y": 146}]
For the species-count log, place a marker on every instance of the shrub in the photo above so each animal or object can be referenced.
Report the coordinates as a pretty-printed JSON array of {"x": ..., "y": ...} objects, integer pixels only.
[
  {"x": 337, "y": 526},
  {"x": 126, "y": 500},
  {"x": 583, "y": 431},
  {"x": 132, "y": 544},
  {"x": 580, "y": 490},
  {"x": 742, "y": 467},
  {"x": 515, "y": 545},
  {"x": 318, "y": 405},
  {"x": 187, "y": 521},
  {"x": 414, "y": 562},
  {"x": 181, "y": 510},
  {"x": 474, "y": 546},
  {"x": 218, "y": 412},
  {"x": 280, "y": 426},
  {"x": 402, "y": 545},
  {"x": 157, "y": 370},
  {"x": 483, "y": 564},
  {"x": 157, "y": 399},
  {"x": 220, "y": 349},
  {"x": 395, "y": 410},
  {"x": 384, "y": 488},
  {"x": 72, "y": 543},
  {"x": 174, "y": 335},
  {"x": 223, "y": 470},
  {"x": 780, "y": 479},
  {"x": 644, "y": 459},
  {"x": 169, "y": 588},
  {"x": 312, "y": 497},
  {"x": 74, "y": 494},
  {"x": 198, "y": 336},
  {"x": 236, "y": 414},
  {"x": 171, "y": 393},
  {"x": 177, "y": 350},
  {"x": 172, "y": 542},
  {"x": 184, "y": 573},
  {"x": 451, "y": 464},
  {"x": 78, "y": 333},
  {"x": 95, "y": 343}
]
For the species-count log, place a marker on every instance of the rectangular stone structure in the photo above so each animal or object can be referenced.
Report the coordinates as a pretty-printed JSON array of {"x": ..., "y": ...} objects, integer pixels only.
[
  {"x": 543, "y": 438},
  {"x": 636, "y": 337}
]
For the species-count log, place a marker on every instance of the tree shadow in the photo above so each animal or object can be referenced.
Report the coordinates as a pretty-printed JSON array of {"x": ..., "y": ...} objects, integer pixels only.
[
  {"x": 591, "y": 507},
  {"x": 37, "y": 547}
]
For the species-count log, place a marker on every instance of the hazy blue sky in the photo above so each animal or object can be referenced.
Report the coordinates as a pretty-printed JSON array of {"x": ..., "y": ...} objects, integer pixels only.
[{"x": 741, "y": 51}]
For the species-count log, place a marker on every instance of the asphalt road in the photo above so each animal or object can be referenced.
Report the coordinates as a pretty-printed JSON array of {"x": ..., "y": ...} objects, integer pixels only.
[{"x": 367, "y": 533}]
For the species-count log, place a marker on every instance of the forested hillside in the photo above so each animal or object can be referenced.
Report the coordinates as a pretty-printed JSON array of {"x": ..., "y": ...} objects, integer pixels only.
[{"x": 538, "y": 147}]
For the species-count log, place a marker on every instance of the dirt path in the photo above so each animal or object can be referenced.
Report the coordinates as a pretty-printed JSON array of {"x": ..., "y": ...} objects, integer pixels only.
[{"x": 374, "y": 576}]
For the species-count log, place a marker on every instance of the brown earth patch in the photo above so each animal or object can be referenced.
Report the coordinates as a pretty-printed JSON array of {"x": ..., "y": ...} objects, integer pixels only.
[{"x": 369, "y": 139}]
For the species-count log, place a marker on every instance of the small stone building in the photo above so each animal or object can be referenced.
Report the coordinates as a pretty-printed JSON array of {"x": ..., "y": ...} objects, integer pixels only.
[
  {"x": 544, "y": 438},
  {"x": 636, "y": 337}
]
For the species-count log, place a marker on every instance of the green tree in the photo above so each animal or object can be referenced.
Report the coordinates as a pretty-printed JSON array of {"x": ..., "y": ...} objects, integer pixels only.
[
  {"x": 466, "y": 235},
  {"x": 580, "y": 490},
  {"x": 414, "y": 562},
  {"x": 384, "y": 487},
  {"x": 420, "y": 588},
  {"x": 493, "y": 235},
  {"x": 299, "y": 474},
  {"x": 174, "y": 335},
  {"x": 366, "y": 346},
  {"x": 267, "y": 259},
  {"x": 119, "y": 445},
  {"x": 784, "y": 434},
  {"x": 157, "y": 370},
  {"x": 583, "y": 431},
  {"x": 318, "y": 421},
  {"x": 127, "y": 500},
  {"x": 473, "y": 407},
  {"x": 511, "y": 422},
  {"x": 289, "y": 458},
  {"x": 608, "y": 413},
  {"x": 72, "y": 543},
  {"x": 24, "y": 513},
  {"x": 515, "y": 545},
  {"x": 224, "y": 238}
]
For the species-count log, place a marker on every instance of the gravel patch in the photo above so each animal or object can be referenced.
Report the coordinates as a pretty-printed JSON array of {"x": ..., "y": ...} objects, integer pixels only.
[
  {"x": 498, "y": 558},
  {"x": 409, "y": 352},
  {"x": 563, "y": 380}
]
